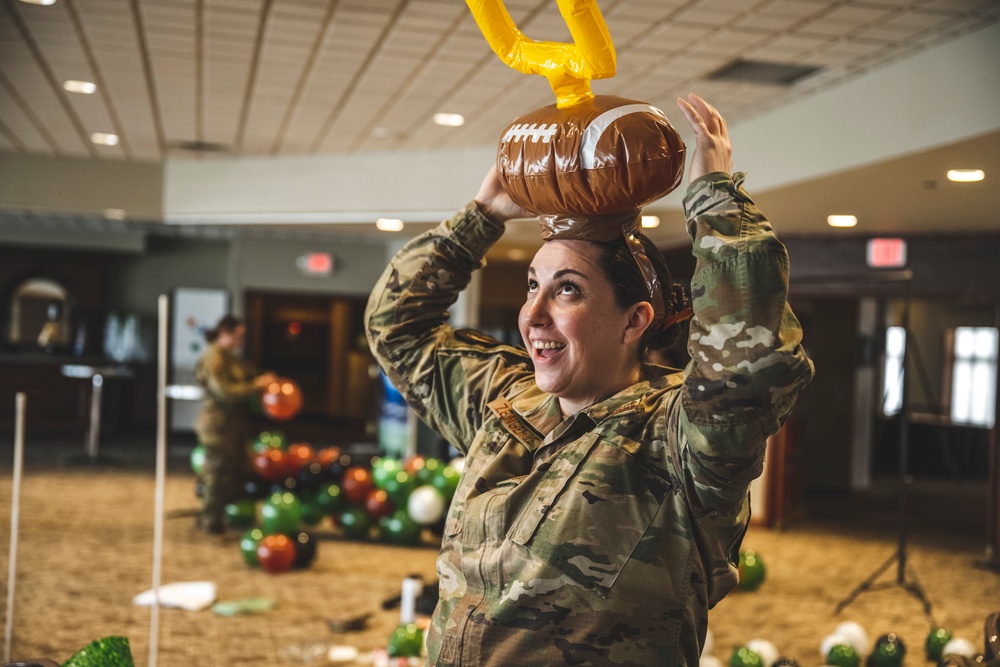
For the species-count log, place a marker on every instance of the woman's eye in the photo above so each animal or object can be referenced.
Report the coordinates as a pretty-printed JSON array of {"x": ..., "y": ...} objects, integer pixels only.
[
  {"x": 532, "y": 285},
  {"x": 568, "y": 288}
]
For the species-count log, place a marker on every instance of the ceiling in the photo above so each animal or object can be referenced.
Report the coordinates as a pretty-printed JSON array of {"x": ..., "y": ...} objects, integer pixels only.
[{"x": 177, "y": 78}]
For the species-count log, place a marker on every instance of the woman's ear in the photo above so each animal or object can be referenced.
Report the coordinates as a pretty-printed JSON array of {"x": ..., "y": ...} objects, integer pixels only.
[{"x": 640, "y": 317}]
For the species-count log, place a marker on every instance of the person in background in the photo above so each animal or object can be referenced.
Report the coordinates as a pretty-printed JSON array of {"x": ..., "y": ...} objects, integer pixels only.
[
  {"x": 229, "y": 384},
  {"x": 604, "y": 498}
]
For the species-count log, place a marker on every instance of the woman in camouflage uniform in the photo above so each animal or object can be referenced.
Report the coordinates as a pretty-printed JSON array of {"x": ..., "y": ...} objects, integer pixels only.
[
  {"x": 604, "y": 499},
  {"x": 228, "y": 383}
]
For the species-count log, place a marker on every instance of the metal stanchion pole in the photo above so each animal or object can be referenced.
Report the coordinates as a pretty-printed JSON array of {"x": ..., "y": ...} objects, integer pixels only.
[
  {"x": 161, "y": 470},
  {"x": 15, "y": 510}
]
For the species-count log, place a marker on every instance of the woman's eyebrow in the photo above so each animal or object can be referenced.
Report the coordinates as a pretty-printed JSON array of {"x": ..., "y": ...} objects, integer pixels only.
[
  {"x": 559, "y": 274},
  {"x": 563, "y": 272}
]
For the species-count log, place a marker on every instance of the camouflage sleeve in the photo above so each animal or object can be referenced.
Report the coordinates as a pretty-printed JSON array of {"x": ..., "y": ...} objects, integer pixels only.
[
  {"x": 214, "y": 375},
  {"x": 747, "y": 363},
  {"x": 447, "y": 376}
]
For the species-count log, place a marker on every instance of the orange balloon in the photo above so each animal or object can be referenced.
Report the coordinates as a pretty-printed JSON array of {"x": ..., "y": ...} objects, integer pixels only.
[
  {"x": 357, "y": 483},
  {"x": 282, "y": 399},
  {"x": 276, "y": 553}
]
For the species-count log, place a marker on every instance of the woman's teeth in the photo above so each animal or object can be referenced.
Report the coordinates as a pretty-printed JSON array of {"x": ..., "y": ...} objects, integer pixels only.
[{"x": 547, "y": 345}]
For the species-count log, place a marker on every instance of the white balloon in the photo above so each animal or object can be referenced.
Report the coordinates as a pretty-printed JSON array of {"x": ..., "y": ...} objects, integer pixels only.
[
  {"x": 959, "y": 646},
  {"x": 709, "y": 643},
  {"x": 765, "y": 649},
  {"x": 709, "y": 661},
  {"x": 855, "y": 635},
  {"x": 425, "y": 505},
  {"x": 830, "y": 642}
]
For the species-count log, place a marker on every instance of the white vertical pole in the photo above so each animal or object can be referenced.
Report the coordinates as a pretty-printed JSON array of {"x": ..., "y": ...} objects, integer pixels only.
[
  {"x": 15, "y": 510},
  {"x": 161, "y": 470}
]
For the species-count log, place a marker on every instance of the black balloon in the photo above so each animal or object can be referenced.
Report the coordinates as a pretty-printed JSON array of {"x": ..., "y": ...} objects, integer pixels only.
[
  {"x": 311, "y": 476},
  {"x": 305, "y": 549},
  {"x": 286, "y": 484},
  {"x": 255, "y": 488}
]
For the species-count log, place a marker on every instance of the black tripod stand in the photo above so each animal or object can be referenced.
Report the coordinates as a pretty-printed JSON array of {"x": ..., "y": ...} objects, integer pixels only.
[{"x": 906, "y": 577}]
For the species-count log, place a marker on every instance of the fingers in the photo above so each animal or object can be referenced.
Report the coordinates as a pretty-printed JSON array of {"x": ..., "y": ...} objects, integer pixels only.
[{"x": 702, "y": 115}]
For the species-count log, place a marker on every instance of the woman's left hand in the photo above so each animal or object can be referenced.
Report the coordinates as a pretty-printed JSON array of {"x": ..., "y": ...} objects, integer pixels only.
[{"x": 712, "y": 152}]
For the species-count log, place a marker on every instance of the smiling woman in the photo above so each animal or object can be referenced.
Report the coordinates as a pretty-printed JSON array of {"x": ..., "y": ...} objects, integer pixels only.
[{"x": 604, "y": 498}]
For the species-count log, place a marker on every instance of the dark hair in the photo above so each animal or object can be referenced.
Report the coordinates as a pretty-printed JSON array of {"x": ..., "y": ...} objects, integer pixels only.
[
  {"x": 227, "y": 324},
  {"x": 629, "y": 285}
]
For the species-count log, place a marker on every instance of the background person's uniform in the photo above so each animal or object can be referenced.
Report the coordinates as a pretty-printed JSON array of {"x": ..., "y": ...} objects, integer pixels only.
[
  {"x": 223, "y": 429},
  {"x": 604, "y": 538}
]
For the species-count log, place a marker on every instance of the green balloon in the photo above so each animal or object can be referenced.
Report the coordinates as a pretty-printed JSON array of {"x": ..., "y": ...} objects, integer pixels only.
[
  {"x": 399, "y": 528},
  {"x": 241, "y": 513},
  {"x": 248, "y": 546},
  {"x": 936, "y": 641},
  {"x": 354, "y": 523},
  {"x": 198, "y": 460},
  {"x": 842, "y": 655},
  {"x": 312, "y": 512},
  {"x": 752, "y": 571},
  {"x": 330, "y": 498},
  {"x": 446, "y": 481},
  {"x": 744, "y": 657},
  {"x": 887, "y": 654},
  {"x": 399, "y": 486},
  {"x": 431, "y": 467},
  {"x": 270, "y": 440},
  {"x": 407, "y": 641},
  {"x": 383, "y": 469},
  {"x": 281, "y": 513},
  {"x": 106, "y": 652}
]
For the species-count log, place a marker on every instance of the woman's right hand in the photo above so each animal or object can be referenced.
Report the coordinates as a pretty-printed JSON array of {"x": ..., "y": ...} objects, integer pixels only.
[
  {"x": 713, "y": 151},
  {"x": 495, "y": 203}
]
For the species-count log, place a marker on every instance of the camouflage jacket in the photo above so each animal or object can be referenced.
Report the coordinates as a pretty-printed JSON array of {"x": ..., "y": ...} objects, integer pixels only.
[
  {"x": 228, "y": 382},
  {"x": 605, "y": 537}
]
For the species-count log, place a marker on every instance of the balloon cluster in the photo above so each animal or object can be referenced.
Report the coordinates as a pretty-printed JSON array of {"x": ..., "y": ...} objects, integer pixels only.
[
  {"x": 296, "y": 487},
  {"x": 847, "y": 646},
  {"x": 396, "y": 499}
]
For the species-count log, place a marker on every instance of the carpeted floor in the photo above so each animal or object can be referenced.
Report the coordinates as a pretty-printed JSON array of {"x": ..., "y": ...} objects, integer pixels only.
[{"x": 86, "y": 548}]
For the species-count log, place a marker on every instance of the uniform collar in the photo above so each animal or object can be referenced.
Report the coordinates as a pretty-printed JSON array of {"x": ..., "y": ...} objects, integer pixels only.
[{"x": 542, "y": 411}]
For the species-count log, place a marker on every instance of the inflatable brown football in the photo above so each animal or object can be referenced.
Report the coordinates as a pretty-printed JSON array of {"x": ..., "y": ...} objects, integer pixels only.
[{"x": 605, "y": 156}]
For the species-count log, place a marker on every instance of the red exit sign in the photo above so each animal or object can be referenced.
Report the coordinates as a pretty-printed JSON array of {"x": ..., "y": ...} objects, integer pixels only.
[{"x": 886, "y": 253}]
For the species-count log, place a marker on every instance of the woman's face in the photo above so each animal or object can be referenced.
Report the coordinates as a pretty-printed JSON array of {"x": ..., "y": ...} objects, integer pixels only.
[
  {"x": 233, "y": 339},
  {"x": 577, "y": 335}
]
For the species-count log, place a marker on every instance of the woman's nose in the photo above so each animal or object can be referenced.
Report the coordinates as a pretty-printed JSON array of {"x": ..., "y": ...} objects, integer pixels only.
[{"x": 536, "y": 311}]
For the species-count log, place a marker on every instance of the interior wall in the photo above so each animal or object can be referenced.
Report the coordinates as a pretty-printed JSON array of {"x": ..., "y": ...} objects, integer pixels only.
[
  {"x": 270, "y": 264},
  {"x": 134, "y": 282}
]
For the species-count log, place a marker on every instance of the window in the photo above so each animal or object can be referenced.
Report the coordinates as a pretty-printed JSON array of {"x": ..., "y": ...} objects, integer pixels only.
[
  {"x": 974, "y": 376},
  {"x": 892, "y": 376}
]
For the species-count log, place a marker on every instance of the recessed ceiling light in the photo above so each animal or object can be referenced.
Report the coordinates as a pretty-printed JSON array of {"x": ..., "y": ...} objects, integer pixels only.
[
  {"x": 115, "y": 213},
  {"x": 39, "y": 2},
  {"x": 104, "y": 139},
  {"x": 389, "y": 224},
  {"x": 841, "y": 220},
  {"x": 966, "y": 175},
  {"x": 85, "y": 87},
  {"x": 650, "y": 221},
  {"x": 449, "y": 119}
]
